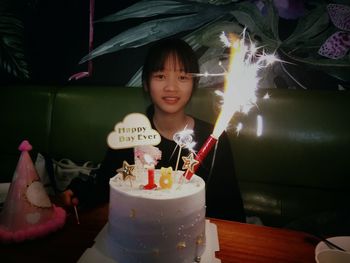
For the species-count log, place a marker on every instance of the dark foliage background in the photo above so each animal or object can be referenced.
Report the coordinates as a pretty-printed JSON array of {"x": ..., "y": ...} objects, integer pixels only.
[{"x": 56, "y": 34}]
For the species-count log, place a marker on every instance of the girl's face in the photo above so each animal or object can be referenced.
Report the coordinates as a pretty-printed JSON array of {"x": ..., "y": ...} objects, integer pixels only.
[{"x": 171, "y": 88}]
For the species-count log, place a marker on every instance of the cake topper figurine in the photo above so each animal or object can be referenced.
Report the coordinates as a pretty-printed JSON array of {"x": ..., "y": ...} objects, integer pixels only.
[
  {"x": 150, "y": 172},
  {"x": 166, "y": 179},
  {"x": 189, "y": 162},
  {"x": 146, "y": 157},
  {"x": 134, "y": 130},
  {"x": 183, "y": 139},
  {"x": 127, "y": 172}
]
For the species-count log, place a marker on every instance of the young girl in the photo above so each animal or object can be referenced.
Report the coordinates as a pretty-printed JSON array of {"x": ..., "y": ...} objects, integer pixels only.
[{"x": 169, "y": 80}]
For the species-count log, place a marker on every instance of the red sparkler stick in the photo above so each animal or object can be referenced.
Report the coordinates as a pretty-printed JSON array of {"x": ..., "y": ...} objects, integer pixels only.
[{"x": 203, "y": 152}]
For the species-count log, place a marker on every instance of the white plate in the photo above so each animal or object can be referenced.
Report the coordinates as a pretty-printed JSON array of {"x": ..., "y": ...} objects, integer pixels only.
[{"x": 324, "y": 254}]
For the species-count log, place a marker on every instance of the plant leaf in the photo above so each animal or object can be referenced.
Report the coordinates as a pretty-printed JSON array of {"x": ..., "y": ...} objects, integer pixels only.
[
  {"x": 197, "y": 40},
  {"x": 12, "y": 58},
  {"x": 265, "y": 26},
  {"x": 339, "y": 14},
  {"x": 339, "y": 73},
  {"x": 149, "y": 8},
  {"x": 339, "y": 68},
  {"x": 151, "y": 31},
  {"x": 309, "y": 27},
  {"x": 336, "y": 46}
]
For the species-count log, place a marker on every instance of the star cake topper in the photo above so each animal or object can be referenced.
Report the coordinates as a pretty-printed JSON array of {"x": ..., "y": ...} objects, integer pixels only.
[
  {"x": 189, "y": 162},
  {"x": 127, "y": 171}
]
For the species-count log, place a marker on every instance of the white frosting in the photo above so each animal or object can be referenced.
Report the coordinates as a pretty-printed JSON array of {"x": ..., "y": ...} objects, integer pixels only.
[{"x": 162, "y": 225}]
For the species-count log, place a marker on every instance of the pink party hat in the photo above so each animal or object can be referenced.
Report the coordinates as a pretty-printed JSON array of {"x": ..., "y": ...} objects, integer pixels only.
[{"x": 28, "y": 212}]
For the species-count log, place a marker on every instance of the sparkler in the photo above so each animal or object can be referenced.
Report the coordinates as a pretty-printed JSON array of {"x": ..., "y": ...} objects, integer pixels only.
[{"x": 241, "y": 83}]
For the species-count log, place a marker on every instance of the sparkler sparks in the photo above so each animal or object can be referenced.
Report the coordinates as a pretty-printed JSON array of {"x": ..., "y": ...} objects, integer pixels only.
[
  {"x": 241, "y": 80},
  {"x": 241, "y": 83}
]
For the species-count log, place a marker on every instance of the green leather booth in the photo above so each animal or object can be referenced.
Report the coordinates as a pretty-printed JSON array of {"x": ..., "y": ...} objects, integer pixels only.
[{"x": 298, "y": 166}]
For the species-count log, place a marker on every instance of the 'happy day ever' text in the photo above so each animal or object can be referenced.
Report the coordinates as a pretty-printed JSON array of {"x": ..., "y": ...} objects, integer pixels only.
[{"x": 134, "y": 134}]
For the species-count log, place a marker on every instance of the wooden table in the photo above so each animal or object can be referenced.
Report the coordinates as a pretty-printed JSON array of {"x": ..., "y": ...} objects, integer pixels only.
[{"x": 238, "y": 242}]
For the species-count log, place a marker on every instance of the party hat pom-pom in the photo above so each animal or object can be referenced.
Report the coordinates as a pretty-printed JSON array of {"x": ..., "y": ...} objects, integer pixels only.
[{"x": 25, "y": 146}]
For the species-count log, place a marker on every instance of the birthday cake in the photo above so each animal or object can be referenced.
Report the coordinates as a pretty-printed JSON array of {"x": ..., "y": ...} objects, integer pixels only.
[
  {"x": 154, "y": 215},
  {"x": 159, "y": 225}
]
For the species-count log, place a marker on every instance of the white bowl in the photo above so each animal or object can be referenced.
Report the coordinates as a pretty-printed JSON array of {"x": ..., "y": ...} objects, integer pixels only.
[{"x": 325, "y": 254}]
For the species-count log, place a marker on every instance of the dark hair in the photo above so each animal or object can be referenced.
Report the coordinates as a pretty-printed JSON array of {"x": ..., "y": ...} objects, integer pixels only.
[{"x": 160, "y": 51}]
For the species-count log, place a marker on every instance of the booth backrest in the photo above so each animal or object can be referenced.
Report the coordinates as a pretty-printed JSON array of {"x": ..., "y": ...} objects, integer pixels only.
[{"x": 298, "y": 165}]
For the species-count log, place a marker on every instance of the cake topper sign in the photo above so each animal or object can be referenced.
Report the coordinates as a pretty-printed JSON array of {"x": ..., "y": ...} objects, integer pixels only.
[{"x": 134, "y": 130}]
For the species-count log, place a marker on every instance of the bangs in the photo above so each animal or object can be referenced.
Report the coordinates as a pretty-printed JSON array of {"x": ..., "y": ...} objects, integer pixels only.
[
  {"x": 178, "y": 51},
  {"x": 175, "y": 59}
]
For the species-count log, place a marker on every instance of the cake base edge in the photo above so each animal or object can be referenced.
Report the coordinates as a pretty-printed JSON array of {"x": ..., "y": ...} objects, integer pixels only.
[{"x": 99, "y": 253}]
